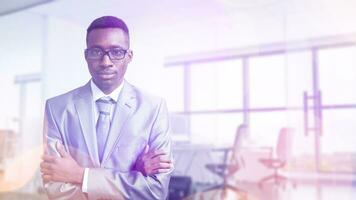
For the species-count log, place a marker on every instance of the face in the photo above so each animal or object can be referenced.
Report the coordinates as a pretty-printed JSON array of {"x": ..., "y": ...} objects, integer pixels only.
[{"x": 108, "y": 74}]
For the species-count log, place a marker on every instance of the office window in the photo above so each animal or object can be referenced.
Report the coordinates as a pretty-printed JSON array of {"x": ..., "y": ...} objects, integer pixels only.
[
  {"x": 216, "y": 129},
  {"x": 32, "y": 117},
  {"x": 265, "y": 126},
  {"x": 338, "y": 141},
  {"x": 302, "y": 144},
  {"x": 337, "y": 68},
  {"x": 203, "y": 86},
  {"x": 298, "y": 77},
  {"x": 174, "y": 88},
  {"x": 229, "y": 84},
  {"x": 216, "y": 85},
  {"x": 267, "y": 81},
  {"x": 339, "y": 131}
]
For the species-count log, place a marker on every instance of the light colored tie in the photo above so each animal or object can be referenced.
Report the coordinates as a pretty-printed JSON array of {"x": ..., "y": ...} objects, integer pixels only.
[{"x": 103, "y": 124}]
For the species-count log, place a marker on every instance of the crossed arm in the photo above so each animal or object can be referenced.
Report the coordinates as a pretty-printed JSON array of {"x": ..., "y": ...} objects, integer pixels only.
[
  {"x": 148, "y": 180},
  {"x": 66, "y": 169}
]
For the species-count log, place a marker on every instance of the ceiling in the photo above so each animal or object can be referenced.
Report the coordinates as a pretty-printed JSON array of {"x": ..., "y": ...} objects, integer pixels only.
[
  {"x": 163, "y": 13},
  {"x": 11, "y": 6},
  {"x": 158, "y": 12},
  {"x": 83, "y": 11},
  {"x": 140, "y": 12}
]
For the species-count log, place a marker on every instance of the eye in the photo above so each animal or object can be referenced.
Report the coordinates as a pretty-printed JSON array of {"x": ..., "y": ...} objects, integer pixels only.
[
  {"x": 117, "y": 52},
  {"x": 95, "y": 52}
]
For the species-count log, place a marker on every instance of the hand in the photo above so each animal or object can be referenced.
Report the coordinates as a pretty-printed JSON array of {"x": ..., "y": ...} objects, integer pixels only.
[
  {"x": 153, "y": 162},
  {"x": 61, "y": 169}
]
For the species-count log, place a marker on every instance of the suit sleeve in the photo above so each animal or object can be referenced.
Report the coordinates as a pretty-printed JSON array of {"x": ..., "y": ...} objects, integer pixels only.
[
  {"x": 51, "y": 135},
  {"x": 110, "y": 184}
]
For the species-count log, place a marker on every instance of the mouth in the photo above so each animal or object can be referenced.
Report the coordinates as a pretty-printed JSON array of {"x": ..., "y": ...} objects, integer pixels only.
[{"x": 106, "y": 75}]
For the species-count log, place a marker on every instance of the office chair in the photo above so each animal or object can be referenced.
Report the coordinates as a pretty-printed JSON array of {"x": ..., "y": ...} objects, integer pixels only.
[
  {"x": 232, "y": 161},
  {"x": 179, "y": 187},
  {"x": 283, "y": 151}
]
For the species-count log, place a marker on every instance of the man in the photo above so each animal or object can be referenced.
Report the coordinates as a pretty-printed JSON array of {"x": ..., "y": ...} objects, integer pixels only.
[{"x": 106, "y": 139}]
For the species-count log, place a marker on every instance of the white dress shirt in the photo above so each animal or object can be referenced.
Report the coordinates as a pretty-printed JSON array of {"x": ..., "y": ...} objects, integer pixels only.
[{"x": 97, "y": 94}]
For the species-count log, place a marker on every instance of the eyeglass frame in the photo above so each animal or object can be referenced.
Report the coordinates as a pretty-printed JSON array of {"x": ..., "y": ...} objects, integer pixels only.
[{"x": 106, "y": 52}]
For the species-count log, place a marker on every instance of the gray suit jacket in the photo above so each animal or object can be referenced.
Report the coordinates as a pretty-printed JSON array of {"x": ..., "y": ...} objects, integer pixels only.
[{"x": 139, "y": 119}]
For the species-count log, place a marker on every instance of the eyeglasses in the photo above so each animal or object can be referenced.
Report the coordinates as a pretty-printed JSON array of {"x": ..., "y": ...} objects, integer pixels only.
[{"x": 98, "y": 53}]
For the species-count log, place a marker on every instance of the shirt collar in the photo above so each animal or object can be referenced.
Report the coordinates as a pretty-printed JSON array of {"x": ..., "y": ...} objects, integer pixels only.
[{"x": 97, "y": 93}]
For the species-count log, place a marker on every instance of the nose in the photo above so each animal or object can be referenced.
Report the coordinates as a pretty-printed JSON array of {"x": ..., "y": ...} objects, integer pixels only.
[{"x": 106, "y": 61}]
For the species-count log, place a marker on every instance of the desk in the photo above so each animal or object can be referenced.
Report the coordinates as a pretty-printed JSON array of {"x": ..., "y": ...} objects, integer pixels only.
[
  {"x": 190, "y": 160},
  {"x": 7, "y": 146},
  {"x": 254, "y": 170}
]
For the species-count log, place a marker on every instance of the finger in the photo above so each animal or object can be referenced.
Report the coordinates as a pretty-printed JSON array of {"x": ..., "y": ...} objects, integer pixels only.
[
  {"x": 60, "y": 149},
  {"x": 44, "y": 181},
  {"x": 161, "y": 166},
  {"x": 41, "y": 164},
  {"x": 57, "y": 178},
  {"x": 46, "y": 178},
  {"x": 163, "y": 170},
  {"x": 48, "y": 158},
  {"x": 45, "y": 148},
  {"x": 146, "y": 149},
  {"x": 162, "y": 158},
  {"x": 145, "y": 155},
  {"x": 159, "y": 171},
  {"x": 45, "y": 171},
  {"x": 157, "y": 153},
  {"x": 45, "y": 165}
]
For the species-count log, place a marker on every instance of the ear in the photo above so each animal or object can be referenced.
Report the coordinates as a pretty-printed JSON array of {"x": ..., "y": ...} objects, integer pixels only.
[
  {"x": 129, "y": 55},
  {"x": 85, "y": 56}
]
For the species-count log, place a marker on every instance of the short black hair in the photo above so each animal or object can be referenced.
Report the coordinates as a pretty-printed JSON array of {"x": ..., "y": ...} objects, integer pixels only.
[{"x": 108, "y": 22}]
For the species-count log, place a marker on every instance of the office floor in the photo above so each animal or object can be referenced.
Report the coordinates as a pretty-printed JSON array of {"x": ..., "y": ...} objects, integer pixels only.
[
  {"x": 307, "y": 191},
  {"x": 21, "y": 196}
]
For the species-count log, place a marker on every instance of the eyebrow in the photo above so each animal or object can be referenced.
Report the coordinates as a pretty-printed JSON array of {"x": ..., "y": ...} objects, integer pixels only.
[
  {"x": 117, "y": 46},
  {"x": 110, "y": 47}
]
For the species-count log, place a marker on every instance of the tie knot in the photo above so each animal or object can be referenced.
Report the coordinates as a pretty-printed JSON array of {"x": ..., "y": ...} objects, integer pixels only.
[{"x": 104, "y": 105}]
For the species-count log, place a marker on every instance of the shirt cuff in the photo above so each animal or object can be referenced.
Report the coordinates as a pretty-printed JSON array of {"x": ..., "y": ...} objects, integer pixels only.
[{"x": 85, "y": 181}]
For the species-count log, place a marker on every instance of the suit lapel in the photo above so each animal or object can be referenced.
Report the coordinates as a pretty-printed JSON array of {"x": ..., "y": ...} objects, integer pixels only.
[
  {"x": 84, "y": 106},
  {"x": 123, "y": 110}
]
